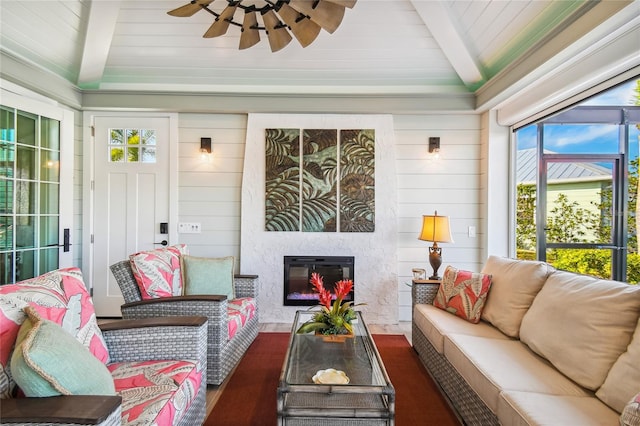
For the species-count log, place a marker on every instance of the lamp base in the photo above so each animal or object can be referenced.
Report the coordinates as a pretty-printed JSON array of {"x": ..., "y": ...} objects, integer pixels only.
[{"x": 435, "y": 259}]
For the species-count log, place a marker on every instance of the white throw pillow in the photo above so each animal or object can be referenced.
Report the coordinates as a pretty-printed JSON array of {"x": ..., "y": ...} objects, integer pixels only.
[
  {"x": 515, "y": 283},
  {"x": 582, "y": 325}
]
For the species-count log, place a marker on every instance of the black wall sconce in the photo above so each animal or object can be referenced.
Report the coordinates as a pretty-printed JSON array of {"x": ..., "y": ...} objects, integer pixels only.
[
  {"x": 205, "y": 148},
  {"x": 434, "y": 148},
  {"x": 434, "y": 145},
  {"x": 205, "y": 145}
]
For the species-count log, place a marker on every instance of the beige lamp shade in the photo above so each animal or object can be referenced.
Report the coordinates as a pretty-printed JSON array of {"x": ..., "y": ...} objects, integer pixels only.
[{"x": 436, "y": 229}]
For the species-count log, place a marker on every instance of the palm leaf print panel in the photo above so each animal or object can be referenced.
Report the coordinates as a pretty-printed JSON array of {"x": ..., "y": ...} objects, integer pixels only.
[
  {"x": 305, "y": 174},
  {"x": 319, "y": 180},
  {"x": 357, "y": 180},
  {"x": 282, "y": 198}
]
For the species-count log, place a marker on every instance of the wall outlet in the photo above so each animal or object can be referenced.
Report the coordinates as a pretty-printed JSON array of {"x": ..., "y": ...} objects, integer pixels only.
[{"x": 189, "y": 228}]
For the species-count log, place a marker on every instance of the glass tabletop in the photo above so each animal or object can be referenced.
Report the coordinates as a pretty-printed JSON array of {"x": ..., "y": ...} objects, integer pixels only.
[{"x": 356, "y": 356}]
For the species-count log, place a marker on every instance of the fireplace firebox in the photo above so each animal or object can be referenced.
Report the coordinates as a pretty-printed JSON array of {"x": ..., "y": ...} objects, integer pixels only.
[{"x": 298, "y": 291}]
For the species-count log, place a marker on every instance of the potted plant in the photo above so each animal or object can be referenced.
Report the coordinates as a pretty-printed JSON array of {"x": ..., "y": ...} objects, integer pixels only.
[{"x": 333, "y": 319}]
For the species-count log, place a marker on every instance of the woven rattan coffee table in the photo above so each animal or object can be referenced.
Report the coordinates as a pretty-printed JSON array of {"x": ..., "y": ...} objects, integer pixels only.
[{"x": 368, "y": 398}]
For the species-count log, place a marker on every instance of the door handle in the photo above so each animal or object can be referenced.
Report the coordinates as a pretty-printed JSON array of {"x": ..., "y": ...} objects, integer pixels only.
[
  {"x": 162, "y": 243},
  {"x": 66, "y": 242}
]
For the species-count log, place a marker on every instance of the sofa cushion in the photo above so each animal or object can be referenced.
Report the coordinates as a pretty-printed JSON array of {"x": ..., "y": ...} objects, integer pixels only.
[
  {"x": 493, "y": 365},
  {"x": 463, "y": 293},
  {"x": 582, "y": 324},
  {"x": 514, "y": 284},
  {"x": 203, "y": 275},
  {"x": 631, "y": 413},
  {"x": 623, "y": 380},
  {"x": 155, "y": 392},
  {"x": 48, "y": 361},
  {"x": 436, "y": 323},
  {"x": 59, "y": 296},
  {"x": 239, "y": 312},
  {"x": 157, "y": 272},
  {"x": 529, "y": 408}
]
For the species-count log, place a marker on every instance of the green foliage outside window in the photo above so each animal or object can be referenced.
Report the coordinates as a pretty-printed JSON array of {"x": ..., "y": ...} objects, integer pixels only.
[{"x": 570, "y": 223}]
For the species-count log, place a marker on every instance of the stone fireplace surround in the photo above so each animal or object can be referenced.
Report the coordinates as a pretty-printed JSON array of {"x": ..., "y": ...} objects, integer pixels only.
[{"x": 262, "y": 252}]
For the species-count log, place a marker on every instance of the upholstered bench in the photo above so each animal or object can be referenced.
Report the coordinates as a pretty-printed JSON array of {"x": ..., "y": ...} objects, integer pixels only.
[{"x": 53, "y": 356}]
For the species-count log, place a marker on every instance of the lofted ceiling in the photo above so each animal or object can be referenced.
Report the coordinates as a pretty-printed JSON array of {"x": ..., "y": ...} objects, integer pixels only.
[{"x": 381, "y": 46}]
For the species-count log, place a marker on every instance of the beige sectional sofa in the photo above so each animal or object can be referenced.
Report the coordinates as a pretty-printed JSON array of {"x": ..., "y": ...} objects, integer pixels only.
[{"x": 552, "y": 348}]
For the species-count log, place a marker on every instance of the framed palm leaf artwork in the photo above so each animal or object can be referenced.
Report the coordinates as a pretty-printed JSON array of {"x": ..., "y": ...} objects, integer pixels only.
[{"x": 320, "y": 180}]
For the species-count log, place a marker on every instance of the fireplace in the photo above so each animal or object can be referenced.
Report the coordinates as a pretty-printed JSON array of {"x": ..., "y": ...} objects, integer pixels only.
[{"x": 297, "y": 273}]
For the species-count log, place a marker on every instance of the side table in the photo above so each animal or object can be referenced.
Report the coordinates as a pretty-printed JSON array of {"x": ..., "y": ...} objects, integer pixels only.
[{"x": 423, "y": 291}]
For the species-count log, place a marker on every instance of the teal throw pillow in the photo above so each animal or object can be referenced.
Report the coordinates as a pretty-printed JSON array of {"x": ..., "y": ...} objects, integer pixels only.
[
  {"x": 49, "y": 361},
  {"x": 202, "y": 275}
]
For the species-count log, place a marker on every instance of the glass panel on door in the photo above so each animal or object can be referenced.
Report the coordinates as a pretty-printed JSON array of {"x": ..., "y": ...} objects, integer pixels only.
[{"x": 29, "y": 194}]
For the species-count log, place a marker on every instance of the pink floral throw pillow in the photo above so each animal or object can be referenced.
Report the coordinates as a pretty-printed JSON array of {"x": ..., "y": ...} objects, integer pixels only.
[
  {"x": 59, "y": 296},
  {"x": 463, "y": 293},
  {"x": 158, "y": 271}
]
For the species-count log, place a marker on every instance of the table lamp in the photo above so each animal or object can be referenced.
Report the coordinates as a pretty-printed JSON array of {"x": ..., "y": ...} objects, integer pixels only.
[{"x": 436, "y": 229}]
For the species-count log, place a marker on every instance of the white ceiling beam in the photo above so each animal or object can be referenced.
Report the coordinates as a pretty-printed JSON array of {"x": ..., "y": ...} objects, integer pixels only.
[
  {"x": 438, "y": 21},
  {"x": 101, "y": 26}
]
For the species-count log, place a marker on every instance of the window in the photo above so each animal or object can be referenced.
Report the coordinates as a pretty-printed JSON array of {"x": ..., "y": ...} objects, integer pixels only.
[
  {"x": 132, "y": 145},
  {"x": 577, "y": 187}
]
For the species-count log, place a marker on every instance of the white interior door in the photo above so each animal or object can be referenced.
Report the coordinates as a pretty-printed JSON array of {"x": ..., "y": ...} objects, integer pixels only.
[{"x": 131, "y": 197}]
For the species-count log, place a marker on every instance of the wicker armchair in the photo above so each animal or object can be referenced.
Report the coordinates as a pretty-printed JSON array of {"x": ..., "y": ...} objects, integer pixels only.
[
  {"x": 222, "y": 353},
  {"x": 127, "y": 341}
]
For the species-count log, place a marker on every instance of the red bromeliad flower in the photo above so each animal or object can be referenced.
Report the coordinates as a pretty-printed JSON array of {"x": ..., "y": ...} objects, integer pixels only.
[
  {"x": 343, "y": 288},
  {"x": 333, "y": 318},
  {"x": 323, "y": 294}
]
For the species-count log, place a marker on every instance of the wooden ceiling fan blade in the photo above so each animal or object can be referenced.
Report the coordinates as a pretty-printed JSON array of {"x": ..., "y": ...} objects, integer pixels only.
[
  {"x": 250, "y": 36},
  {"x": 221, "y": 24},
  {"x": 328, "y": 15},
  {"x": 305, "y": 30},
  {"x": 189, "y": 9},
  {"x": 345, "y": 3},
  {"x": 278, "y": 37}
]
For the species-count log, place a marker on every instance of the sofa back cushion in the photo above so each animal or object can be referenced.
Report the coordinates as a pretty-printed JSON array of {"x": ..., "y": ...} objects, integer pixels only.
[
  {"x": 623, "y": 380},
  {"x": 582, "y": 324},
  {"x": 514, "y": 285},
  {"x": 157, "y": 272},
  {"x": 59, "y": 296}
]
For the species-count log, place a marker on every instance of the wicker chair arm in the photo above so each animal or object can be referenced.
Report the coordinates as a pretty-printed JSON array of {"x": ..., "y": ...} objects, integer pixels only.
[
  {"x": 100, "y": 410},
  {"x": 246, "y": 285},
  {"x": 178, "y": 338},
  {"x": 205, "y": 298}
]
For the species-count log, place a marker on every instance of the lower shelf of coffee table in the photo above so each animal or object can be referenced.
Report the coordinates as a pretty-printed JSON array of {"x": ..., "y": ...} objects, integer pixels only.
[{"x": 308, "y": 408}]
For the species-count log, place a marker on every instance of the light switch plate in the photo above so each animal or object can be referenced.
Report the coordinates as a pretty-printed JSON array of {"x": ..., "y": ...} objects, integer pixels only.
[{"x": 189, "y": 228}]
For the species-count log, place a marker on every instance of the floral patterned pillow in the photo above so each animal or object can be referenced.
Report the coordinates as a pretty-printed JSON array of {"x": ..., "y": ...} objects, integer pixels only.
[
  {"x": 157, "y": 272},
  {"x": 463, "y": 293},
  {"x": 59, "y": 296}
]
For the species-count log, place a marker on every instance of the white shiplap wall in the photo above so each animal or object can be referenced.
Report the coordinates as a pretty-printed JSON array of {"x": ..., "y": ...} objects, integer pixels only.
[
  {"x": 451, "y": 185},
  {"x": 210, "y": 193}
]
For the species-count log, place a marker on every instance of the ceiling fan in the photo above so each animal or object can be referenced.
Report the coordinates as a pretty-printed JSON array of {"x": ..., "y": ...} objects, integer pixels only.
[{"x": 304, "y": 18}]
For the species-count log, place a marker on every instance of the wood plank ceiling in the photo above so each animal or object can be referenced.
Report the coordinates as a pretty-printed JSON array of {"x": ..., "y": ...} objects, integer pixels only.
[{"x": 382, "y": 46}]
